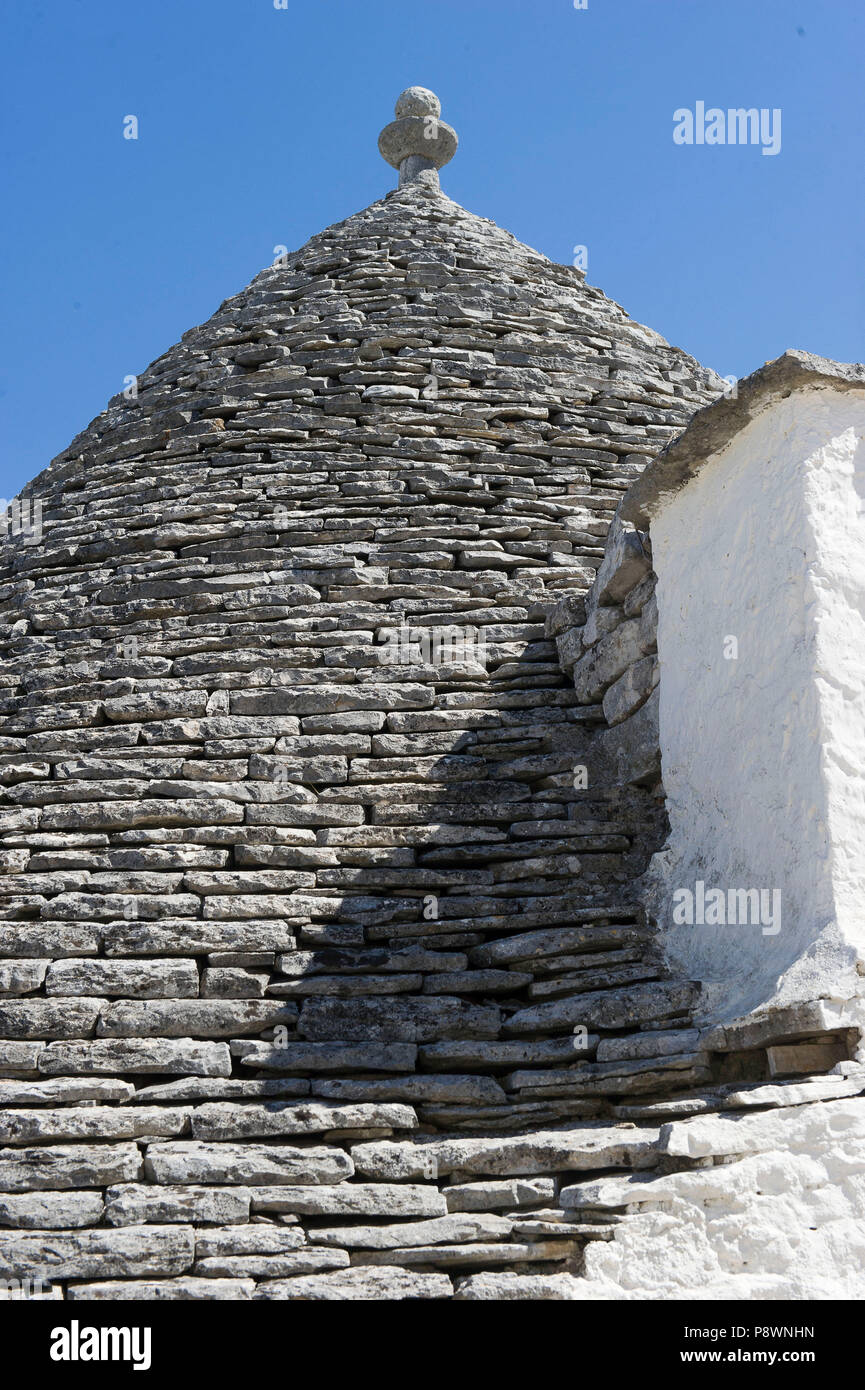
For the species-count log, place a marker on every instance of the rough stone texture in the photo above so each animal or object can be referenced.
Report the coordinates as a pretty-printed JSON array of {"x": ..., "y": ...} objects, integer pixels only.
[
  {"x": 785, "y": 1219},
  {"x": 301, "y": 884}
]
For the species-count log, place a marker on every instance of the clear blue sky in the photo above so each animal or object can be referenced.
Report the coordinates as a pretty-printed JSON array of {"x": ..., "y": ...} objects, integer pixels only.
[{"x": 258, "y": 127}]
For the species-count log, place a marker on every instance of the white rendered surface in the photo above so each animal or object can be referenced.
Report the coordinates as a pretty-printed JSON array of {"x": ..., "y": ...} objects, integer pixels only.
[{"x": 763, "y": 755}]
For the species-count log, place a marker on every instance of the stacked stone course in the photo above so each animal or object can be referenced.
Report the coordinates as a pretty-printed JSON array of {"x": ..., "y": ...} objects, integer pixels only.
[{"x": 319, "y": 975}]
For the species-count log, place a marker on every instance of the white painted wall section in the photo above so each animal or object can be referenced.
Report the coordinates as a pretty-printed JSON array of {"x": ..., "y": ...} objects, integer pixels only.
[{"x": 763, "y": 752}]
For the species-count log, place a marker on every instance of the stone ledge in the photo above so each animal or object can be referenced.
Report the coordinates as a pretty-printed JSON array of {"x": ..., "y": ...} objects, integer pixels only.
[{"x": 712, "y": 428}]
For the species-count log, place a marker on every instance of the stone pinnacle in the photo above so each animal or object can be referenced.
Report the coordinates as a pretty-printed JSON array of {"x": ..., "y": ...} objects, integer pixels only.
[{"x": 418, "y": 142}]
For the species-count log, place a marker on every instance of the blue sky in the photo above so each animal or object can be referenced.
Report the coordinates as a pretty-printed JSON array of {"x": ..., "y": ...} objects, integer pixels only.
[{"x": 258, "y": 127}]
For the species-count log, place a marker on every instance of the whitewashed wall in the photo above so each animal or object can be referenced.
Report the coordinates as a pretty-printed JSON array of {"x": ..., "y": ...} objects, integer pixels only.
[
  {"x": 763, "y": 755},
  {"x": 780, "y": 1215}
]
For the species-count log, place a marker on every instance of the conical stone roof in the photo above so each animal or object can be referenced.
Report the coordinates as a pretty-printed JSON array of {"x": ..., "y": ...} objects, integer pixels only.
[{"x": 292, "y": 841}]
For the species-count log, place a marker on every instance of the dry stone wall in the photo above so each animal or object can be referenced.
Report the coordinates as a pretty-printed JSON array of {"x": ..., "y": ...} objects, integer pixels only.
[
  {"x": 321, "y": 974},
  {"x": 611, "y": 654}
]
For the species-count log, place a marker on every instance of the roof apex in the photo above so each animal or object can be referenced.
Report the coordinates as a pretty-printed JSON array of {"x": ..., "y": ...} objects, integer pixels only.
[{"x": 418, "y": 142}]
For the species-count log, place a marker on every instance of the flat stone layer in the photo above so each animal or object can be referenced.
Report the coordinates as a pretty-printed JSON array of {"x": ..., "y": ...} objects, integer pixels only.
[{"x": 296, "y": 861}]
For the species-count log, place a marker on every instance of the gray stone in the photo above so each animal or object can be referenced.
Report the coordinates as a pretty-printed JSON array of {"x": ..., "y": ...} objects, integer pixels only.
[
  {"x": 63, "y": 1090},
  {"x": 136, "y": 1204},
  {"x": 225, "y": 1121},
  {"x": 68, "y": 1166},
  {"x": 22, "y": 976},
  {"x": 496, "y": 1196},
  {"x": 625, "y": 696},
  {"x": 481, "y": 1090},
  {"x": 87, "y": 1253},
  {"x": 186, "y": 1056},
  {"x": 206, "y": 1018},
  {"x": 328, "y": 1057},
  {"x": 625, "y": 563},
  {"x": 49, "y": 1018},
  {"x": 256, "y": 1239},
  {"x": 57, "y": 1210},
  {"x": 630, "y": 752},
  {"x": 188, "y": 1290},
  {"x": 290, "y": 1262},
  {"x": 352, "y": 1199},
  {"x": 389, "y": 1282},
  {"x": 441, "y": 1230},
  {"x": 504, "y": 1286},
  {"x": 397, "y": 1020},
  {"x": 145, "y": 979},
  {"x": 465, "y": 1256},
  {"x": 573, "y": 1147},
  {"x": 612, "y": 1008},
  {"x": 91, "y": 1122},
  {"x": 257, "y": 1165}
]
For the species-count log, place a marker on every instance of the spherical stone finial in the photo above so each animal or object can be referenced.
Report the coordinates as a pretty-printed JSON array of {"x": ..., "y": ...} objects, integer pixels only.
[
  {"x": 417, "y": 101},
  {"x": 418, "y": 142}
]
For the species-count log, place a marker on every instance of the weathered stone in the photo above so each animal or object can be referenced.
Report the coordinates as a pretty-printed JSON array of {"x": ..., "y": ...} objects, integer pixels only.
[
  {"x": 328, "y": 1056},
  {"x": 500, "y": 1287},
  {"x": 205, "y": 1018},
  {"x": 63, "y": 1090},
  {"x": 536, "y": 945},
  {"x": 169, "y": 979},
  {"x": 91, "y": 1122},
  {"x": 49, "y": 1018},
  {"x": 257, "y": 1165},
  {"x": 290, "y": 1262},
  {"x": 256, "y": 1239},
  {"x": 135, "y": 1204},
  {"x": 233, "y": 983},
  {"x": 225, "y": 1121},
  {"x": 195, "y": 938},
  {"x": 465, "y": 1256},
  {"x": 654, "y": 1044},
  {"x": 68, "y": 1167},
  {"x": 625, "y": 696},
  {"x": 624, "y": 565},
  {"x": 188, "y": 1289},
  {"x": 56, "y": 1210},
  {"x": 501, "y": 1055},
  {"x": 352, "y": 1199},
  {"x": 444, "y": 1089},
  {"x": 613, "y": 1008},
  {"x": 611, "y": 657},
  {"x": 81, "y": 1254},
  {"x": 802, "y": 1059},
  {"x": 542, "y": 1151},
  {"x": 494, "y": 1196},
  {"x": 288, "y": 669},
  {"x": 48, "y": 939},
  {"x": 186, "y": 1056},
  {"x": 397, "y": 1020},
  {"x": 22, "y": 976},
  {"x": 629, "y": 752},
  {"x": 441, "y": 1230},
  {"x": 390, "y": 1282},
  {"x": 20, "y": 1058}
]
